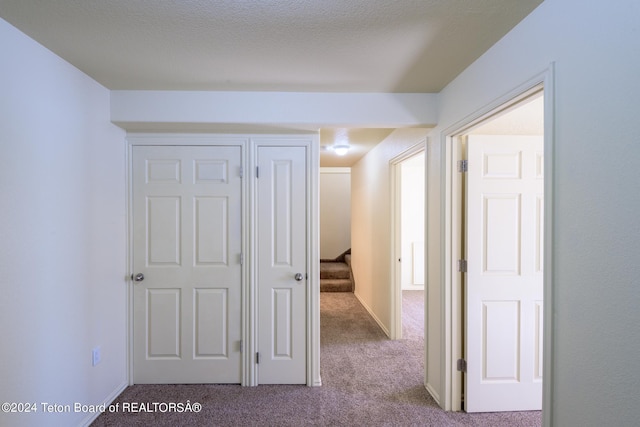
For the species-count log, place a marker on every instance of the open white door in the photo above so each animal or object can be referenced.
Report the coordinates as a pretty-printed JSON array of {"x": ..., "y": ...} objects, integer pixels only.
[
  {"x": 282, "y": 264},
  {"x": 186, "y": 254},
  {"x": 504, "y": 274}
]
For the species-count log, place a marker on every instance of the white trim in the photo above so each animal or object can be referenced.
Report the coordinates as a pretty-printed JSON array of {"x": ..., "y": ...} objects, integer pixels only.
[
  {"x": 451, "y": 341},
  {"x": 427, "y": 384},
  {"x": 451, "y": 196},
  {"x": 395, "y": 207},
  {"x": 250, "y": 261},
  {"x": 185, "y": 139},
  {"x": 372, "y": 314},
  {"x": 154, "y": 139},
  {"x": 247, "y": 307},
  {"x": 129, "y": 254},
  {"x": 433, "y": 393},
  {"x": 90, "y": 418},
  {"x": 313, "y": 351},
  {"x": 413, "y": 288},
  {"x": 395, "y": 175},
  {"x": 549, "y": 227}
]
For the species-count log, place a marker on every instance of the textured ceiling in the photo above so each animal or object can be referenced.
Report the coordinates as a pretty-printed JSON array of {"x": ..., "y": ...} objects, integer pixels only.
[
  {"x": 410, "y": 46},
  {"x": 269, "y": 45}
]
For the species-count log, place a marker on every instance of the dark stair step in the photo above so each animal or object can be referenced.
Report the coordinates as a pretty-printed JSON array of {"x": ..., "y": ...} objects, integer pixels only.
[
  {"x": 335, "y": 285},
  {"x": 334, "y": 270}
]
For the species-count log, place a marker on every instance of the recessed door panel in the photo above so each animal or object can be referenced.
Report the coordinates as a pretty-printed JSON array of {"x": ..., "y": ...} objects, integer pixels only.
[
  {"x": 282, "y": 324},
  {"x": 537, "y": 363},
  {"x": 501, "y": 234},
  {"x": 210, "y": 171},
  {"x": 163, "y": 323},
  {"x": 539, "y": 234},
  {"x": 210, "y": 323},
  {"x": 211, "y": 230},
  {"x": 539, "y": 164},
  {"x": 163, "y": 171},
  {"x": 163, "y": 230},
  {"x": 502, "y": 165},
  {"x": 281, "y": 187},
  {"x": 501, "y": 341}
]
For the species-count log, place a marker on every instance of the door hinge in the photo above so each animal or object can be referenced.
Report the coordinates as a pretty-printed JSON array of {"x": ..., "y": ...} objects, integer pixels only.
[
  {"x": 241, "y": 259},
  {"x": 462, "y": 265},
  {"x": 258, "y": 358},
  {"x": 462, "y": 365},
  {"x": 257, "y": 172},
  {"x": 241, "y": 172},
  {"x": 241, "y": 347},
  {"x": 463, "y": 166}
]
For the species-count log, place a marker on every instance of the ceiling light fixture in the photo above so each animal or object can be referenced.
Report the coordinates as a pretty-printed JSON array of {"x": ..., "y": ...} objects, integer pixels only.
[{"x": 341, "y": 148}]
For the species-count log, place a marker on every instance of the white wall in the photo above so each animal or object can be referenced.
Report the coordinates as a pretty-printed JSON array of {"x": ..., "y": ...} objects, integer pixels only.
[
  {"x": 257, "y": 112},
  {"x": 596, "y": 196},
  {"x": 371, "y": 223},
  {"x": 412, "y": 222},
  {"x": 335, "y": 211},
  {"x": 62, "y": 235}
]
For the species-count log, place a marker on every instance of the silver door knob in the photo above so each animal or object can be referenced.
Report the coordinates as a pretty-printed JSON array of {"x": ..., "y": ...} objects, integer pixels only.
[
  {"x": 298, "y": 276},
  {"x": 138, "y": 277}
]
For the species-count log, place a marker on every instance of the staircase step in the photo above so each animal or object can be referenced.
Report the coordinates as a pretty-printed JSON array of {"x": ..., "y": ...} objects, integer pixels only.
[
  {"x": 334, "y": 270},
  {"x": 335, "y": 285}
]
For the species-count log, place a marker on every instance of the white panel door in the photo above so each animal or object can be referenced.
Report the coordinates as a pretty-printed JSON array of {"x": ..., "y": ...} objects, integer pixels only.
[
  {"x": 187, "y": 244},
  {"x": 504, "y": 274},
  {"x": 282, "y": 254}
]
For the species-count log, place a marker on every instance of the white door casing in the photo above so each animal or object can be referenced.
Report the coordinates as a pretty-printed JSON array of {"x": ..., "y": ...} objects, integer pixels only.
[
  {"x": 395, "y": 226},
  {"x": 282, "y": 254},
  {"x": 187, "y": 244},
  {"x": 504, "y": 280}
]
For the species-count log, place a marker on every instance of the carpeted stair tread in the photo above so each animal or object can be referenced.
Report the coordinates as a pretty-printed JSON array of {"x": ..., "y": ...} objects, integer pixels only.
[
  {"x": 334, "y": 270},
  {"x": 336, "y": 276},
  {"x": 335, "y": 285}
]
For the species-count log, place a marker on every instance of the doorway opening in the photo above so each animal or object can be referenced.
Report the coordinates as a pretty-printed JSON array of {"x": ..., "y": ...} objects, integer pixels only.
[
  {"x": 456, "y": 352},
  {"x": 408, "y": 231},
  {"x": 502, "y": 249}
]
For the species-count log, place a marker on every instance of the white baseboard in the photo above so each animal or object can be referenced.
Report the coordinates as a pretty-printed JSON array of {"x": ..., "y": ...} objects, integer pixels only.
[
  {"x": 108, "y": 401},
  {"x": 433, "y": 393},
  {"x": 413, "y": 287},
  {"x": 382, "y": 326}
]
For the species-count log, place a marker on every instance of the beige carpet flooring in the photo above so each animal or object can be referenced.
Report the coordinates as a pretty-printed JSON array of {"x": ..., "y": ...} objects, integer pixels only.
[{"x": 368, "y": 380}]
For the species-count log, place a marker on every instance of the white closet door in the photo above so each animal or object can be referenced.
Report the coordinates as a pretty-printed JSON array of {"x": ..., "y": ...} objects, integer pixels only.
[
  {"x": 282, "y": 264},
  {"x": 187, "y": 244}
]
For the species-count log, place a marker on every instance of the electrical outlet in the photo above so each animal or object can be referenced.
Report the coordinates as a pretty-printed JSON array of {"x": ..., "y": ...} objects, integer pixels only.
[{"x": 95, "y": 356}]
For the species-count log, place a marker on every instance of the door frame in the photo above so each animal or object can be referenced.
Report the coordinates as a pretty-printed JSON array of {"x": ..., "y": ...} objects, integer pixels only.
[
  {"x": 248, "y": 145},
  {"x": 451, "y": 245},
  {"x": 395, "y": 166}
]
